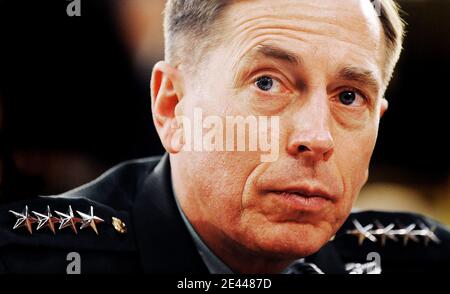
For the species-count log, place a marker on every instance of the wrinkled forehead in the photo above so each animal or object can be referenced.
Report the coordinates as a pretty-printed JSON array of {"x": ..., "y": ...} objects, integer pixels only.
[
  {"x": 340, "y": 22},
  {"x": 349, "y": 15}
]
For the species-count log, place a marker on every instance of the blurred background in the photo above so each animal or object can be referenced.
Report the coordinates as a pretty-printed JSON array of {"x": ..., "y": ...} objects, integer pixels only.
[{"x": 74, "y": 100}]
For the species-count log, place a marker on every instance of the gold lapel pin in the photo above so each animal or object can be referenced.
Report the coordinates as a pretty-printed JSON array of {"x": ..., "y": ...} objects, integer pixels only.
[{"x": 119, "y": 225}]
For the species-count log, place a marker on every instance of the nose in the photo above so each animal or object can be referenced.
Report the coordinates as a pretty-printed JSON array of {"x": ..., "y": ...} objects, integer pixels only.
[
  {"x": 311, "y": 137},
  {"x": 312, "y": 146}
]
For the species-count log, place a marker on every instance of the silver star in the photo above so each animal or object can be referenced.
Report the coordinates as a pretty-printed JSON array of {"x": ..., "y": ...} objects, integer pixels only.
[
  {"x": 90, "y": 220},
  {"x": 384, "y": 232},
  {"x": 24, "y": 220},
  {"x": 68, "y": 219},
  {"x": 407, "y": 234},
  {"x": 46, "y": 220},
  {"x": 427, "y": 233},
  {"x": 362, "y": 232}
]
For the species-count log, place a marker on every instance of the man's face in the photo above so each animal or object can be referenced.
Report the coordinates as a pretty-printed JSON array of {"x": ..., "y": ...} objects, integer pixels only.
[{"x": 317, "y": 65}]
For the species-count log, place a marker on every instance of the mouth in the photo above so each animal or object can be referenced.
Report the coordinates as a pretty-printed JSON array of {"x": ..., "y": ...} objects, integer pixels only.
[{"x": 304, "y": 198}]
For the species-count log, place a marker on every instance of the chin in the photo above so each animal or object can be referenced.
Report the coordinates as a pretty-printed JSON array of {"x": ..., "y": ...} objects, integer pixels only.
[{"x": 293, "y": 241}]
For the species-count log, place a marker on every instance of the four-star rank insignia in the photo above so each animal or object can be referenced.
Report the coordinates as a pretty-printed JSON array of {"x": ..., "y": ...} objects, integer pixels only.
[
  {"x": 389, "y": 232},
  {"x": 64, "y": 220}
]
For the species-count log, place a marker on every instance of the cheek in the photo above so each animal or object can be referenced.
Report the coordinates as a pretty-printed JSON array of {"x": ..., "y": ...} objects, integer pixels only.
[
  {"x": 222, "y": 177},
  {"x": 353, "y": 153}
]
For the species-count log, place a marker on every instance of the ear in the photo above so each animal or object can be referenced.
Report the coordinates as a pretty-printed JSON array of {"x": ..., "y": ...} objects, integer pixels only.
[
  {"x": 384, "y": 106},
  {"x": 167, "y": 91}
]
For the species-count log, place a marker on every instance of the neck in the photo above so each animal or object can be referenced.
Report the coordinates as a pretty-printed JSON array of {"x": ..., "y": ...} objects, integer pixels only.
[{"x": 237, "y": 257}]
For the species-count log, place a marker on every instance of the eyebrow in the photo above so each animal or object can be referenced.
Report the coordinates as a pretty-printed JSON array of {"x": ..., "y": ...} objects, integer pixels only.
[
  {"x": 276, "y": 52},
  {"x": 268, "y": 51},
  {"x": 359, "y": 75}
]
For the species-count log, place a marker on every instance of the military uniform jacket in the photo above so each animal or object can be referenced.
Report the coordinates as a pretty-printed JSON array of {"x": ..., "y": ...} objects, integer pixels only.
[{"x": 140, "y": 230}]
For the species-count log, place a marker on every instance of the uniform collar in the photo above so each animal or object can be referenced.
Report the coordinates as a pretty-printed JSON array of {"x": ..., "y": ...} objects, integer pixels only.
[
  {"x": 214, "y": 264},
  {"x": 164, "y": 243}
]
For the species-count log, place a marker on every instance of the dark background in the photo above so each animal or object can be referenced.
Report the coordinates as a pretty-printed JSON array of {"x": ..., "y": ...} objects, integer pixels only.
[
  {"x": 73, "y": 102},
  {"x": 415, "y": 130}
]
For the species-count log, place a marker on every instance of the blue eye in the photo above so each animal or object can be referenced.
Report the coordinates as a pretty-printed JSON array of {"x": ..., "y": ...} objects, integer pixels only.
[
  {"x": 264, "y": 83},
  {"x": 347, "y": 97}
]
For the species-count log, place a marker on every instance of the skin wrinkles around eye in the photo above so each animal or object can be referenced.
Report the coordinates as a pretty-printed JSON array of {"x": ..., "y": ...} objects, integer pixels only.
[
  {"x": 362, "y": 100},
  {"x": 350, "y": 117},
  {"x": 253, "y": 63},
  {"x": 264, "y": 101},
  {"x": 276, "y": 82},
  {"x": 362, "y": 97},
  {"x": 258, "y": 68},
  {"x": 367, "y": 100},
  {"x": 248, "y": 74}
]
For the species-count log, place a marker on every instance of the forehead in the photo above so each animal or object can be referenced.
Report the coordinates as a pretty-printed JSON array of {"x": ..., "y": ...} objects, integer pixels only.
[{"x": 339, "y": 29}]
